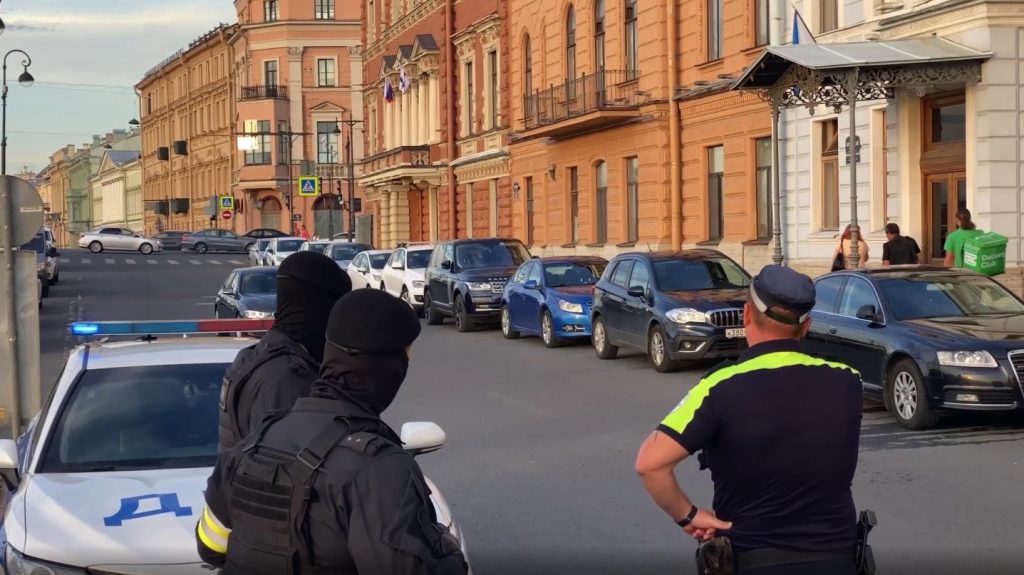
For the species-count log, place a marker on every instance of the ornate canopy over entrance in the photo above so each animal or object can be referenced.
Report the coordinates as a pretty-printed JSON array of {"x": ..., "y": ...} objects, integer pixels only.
[{"x": 839, "y": 75}]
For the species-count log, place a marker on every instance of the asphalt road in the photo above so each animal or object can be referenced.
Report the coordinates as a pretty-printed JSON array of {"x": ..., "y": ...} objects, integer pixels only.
[{"x": 541, "y": 443}]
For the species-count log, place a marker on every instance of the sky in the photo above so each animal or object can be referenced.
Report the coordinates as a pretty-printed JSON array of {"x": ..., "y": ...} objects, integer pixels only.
[{"x": 86, "y": 56}]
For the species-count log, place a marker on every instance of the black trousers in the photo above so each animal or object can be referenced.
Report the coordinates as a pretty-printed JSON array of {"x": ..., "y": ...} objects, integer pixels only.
[{"x": 830, "y": 567}]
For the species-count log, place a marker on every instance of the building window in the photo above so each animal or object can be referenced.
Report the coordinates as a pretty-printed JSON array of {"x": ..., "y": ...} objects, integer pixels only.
[
  {"x": 570, "y": 53},
  {"x": 715, "y": 29},
  {"x": 574, "y": 205},
  {"x": 467, "y": 98},
  {"x": 372, "y": 117},
  {"x": 324, "y": 9},
  {"x": 325, "y": 72},
  {"x": 947, "y": 121},
  {"x": 270, "y": 73},
  {"x": 716, "y": 171},
  {"x": 632, "y": 199},
  {"x": 829, "y": 174},
  {"x": 631, "y": 41},
  {"x": 284, "y": 143},
  {"x": 269, "y": 10},
  {"x": 528, "y": 184},
  {"x": 601, "y": 199},
  {"x": 493, "y": 95},
  {"x": 763, "y": 186},
  {"x": 828, "y": 15},
  {"x": 261, "y": 143},
  {"x": 327, "y": 142},
  {"x": 762, "y": 23},
  {"x": 528, "y": 102},
  {"x": 599, "y": 35}
]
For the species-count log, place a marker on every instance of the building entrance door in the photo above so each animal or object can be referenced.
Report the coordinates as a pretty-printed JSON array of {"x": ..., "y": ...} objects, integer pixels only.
[{"x": 945, "y": 194}]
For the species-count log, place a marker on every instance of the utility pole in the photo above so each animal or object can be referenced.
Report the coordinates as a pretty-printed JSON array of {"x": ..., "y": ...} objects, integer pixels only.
[{"x": 351, "y": 168}]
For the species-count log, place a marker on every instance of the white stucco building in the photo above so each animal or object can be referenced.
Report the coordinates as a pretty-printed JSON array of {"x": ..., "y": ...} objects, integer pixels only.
[{"x": 117, "y": 190}]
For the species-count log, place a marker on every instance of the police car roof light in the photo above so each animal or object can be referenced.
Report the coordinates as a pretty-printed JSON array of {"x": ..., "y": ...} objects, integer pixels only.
[{"x": 170, "y": 327}]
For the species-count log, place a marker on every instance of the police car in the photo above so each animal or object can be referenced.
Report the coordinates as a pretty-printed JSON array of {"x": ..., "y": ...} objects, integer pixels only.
[{"x": 108, "y": 478}]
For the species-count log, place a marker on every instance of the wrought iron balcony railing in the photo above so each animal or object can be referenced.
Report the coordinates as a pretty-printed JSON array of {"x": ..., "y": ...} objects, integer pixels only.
[
  {"x": 602, "y": 90},
  {"x": 264, "y": 92}
]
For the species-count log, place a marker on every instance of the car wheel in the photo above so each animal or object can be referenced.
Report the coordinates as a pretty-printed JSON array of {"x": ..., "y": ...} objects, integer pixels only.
[
  {"x": 408, "y": 300},
  {"x": 909, "y": 397},
  {"x": 95, "y": 247},
  {"x": 146, "y": 249},
  {"x": 602, "y": 345},
  {"x": 462, "y": 321},
  {"x": 547, "y": 330},
  {"x": 56, "y": 278},
  {"x": 200, "y": 248},
  {"x": 382, "y": 288},
  {"x": 46, "y": 290},
  {"x": 657, "y": 350},
  {"x": 248, "y": 247},
  {"x": 506, "y": 324},
  {"x": 434, "y": 317}
]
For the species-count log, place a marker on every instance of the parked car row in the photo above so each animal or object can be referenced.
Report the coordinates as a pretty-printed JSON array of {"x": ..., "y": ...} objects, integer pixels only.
[
  {"x": 47, "y": 262},
  {"x": 209, "y": 240},
  {"x": 927, "y": 341}
]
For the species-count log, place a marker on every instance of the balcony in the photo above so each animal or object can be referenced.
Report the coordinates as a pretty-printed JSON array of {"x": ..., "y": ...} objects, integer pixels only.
[
  {"x": 590, "y": 102},
  {"x": 408, "y": 163},
  {"x": 263, "y": 92}
]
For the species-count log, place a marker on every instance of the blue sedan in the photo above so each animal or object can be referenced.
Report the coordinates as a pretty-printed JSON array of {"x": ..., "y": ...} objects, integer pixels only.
[{"x": 551, "y": 297}]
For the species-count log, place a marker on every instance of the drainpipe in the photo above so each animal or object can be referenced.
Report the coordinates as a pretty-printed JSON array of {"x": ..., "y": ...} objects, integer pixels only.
[
  {"x": 449, "y": 32},
  {"x": 674, "y": 127}
]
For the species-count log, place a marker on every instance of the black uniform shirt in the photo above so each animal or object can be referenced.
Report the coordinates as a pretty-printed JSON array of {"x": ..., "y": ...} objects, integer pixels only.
[{"x": 780, "y": 431}]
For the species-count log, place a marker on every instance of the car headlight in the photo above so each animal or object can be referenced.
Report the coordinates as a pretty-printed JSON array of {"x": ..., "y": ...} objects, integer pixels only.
[
  {"x": 966, "y": 359},
  {"x": 569, "y": 307},
  {"x": 18, "y": 564},
  {"x": 417, "y": 284},
  {"x": 686, "y": 315},
  {"x": 253, "y": 314},
  {"x": 479, "y": 286},
  {"x": 40, "y": 266}
]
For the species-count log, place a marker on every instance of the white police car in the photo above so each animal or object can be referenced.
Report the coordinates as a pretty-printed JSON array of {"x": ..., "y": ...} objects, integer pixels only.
[{"x": 109, "y": 476}]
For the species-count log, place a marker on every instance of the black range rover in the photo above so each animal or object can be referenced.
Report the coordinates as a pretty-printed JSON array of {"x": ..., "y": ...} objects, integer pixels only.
[{"x": 465, "y": 279}]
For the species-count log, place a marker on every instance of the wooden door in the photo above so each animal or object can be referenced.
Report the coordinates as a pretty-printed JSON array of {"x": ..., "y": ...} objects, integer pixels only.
[{"x": 945, "y": 193}]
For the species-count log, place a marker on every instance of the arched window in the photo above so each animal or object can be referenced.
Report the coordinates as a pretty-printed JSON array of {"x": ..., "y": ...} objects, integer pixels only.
[
  {"x": 570, "y": 52},
  {"x": 631, "y": 40},
  {"x": 601, "y": 201},
  {"x": 598, "y": 35},
  {"x": 527, "y": 66},
  {"x": 270, "y": 213}
]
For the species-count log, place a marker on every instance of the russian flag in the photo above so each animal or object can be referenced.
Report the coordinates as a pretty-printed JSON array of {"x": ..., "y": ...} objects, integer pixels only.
[
  {"x": 389, "y": 92},
  {"x": 801, "y": 33}
]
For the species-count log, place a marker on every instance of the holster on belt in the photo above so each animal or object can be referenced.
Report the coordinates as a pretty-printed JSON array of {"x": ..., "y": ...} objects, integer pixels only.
[
  {"x": 715, "y": 557},
  {"x": 865, "y": 557}
]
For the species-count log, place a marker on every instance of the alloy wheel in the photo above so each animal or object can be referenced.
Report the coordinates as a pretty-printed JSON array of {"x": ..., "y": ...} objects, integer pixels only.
[
  {"x": 905, "y": 395},
  {"x": 657, "y": 348},
  {"x": 547, "y": 330},
  {"x": 599, "y": 336},
  {"x": 506, "y": 322}
]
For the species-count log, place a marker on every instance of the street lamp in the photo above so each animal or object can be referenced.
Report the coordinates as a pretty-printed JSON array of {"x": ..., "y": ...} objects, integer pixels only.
[
  {"x": 26, "y": 80},
  {"x": 351, "y": 123}
]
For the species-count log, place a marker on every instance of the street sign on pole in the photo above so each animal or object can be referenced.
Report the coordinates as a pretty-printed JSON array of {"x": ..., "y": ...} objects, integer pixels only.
[
  {"x": 309, "y": 186},
  {"x": 26, "y": 210},
  {"x": 227, "y": 203},
  {"x": 225, "y": 215}
]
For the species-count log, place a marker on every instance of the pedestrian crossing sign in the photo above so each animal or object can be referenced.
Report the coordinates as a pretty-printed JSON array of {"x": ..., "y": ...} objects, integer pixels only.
[
  {"x": 227, "y": 203},
  {"x": 309, "y": 186}
]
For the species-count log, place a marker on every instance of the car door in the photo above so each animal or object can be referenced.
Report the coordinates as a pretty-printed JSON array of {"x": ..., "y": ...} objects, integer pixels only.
[
  {"x": 636, "y": 311},
  {"x": 860, "y": 341},
  {"x": 531, "y": 299},
  {"x": 823, "y": 317},
  {"x": 131, "y": 240},
  {"x": 110, "y": 238},
  {"x": 359, "y": 270},
  {"x": 442, "y": 282},
  {"x": 514, "y": 296},
  {"x": 227, "y": 298},
  {"x": 393, "y": 277},
  {"x": 614, "y": 301}
]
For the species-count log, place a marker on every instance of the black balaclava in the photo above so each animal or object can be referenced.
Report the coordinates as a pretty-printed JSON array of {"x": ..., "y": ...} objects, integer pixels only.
[
  {"x": 308, "y": 286},
  {"x": 370, "y": 381}
]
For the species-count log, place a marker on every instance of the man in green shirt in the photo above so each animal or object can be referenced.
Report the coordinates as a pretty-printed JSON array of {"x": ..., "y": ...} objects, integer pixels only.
[{"x": 954, "y": 246}]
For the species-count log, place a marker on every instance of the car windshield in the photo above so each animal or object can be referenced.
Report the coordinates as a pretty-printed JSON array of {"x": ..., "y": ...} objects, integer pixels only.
[
  {"x": 144, "y": 417},
  {"x": 572, "y": 274},
  {"x": 377, "y": 261},
  {"x": 699, "y": 274},
  {"x": 919, "y": 297},
  {"x": 36, "y": 244},
  {"x": 491, "y": 254},
  {"x": 289, "y": 245},
  {"x": 259, "y": 282},
  {"x": 345, "y": 252},
  {"x": 418, "y": 259},
  {"x": 318, "y": 248}
]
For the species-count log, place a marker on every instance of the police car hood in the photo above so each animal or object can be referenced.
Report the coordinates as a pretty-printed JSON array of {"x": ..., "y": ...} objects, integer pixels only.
[{"x": 115, "y": 518}]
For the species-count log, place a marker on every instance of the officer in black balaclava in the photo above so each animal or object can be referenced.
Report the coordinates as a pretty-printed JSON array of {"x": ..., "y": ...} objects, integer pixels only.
[
  {"x": 327, "y": 486},
  {"x": 271, "y": 375}
]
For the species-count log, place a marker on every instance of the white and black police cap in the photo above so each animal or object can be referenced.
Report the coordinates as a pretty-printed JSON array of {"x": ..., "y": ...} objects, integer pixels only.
[{"x": 778, "y": 287}]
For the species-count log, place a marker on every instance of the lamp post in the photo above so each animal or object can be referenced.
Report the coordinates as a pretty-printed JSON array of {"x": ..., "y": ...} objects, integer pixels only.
[
  {"x": 350, "y": 160},
  {"x": 26, "y": 80}
]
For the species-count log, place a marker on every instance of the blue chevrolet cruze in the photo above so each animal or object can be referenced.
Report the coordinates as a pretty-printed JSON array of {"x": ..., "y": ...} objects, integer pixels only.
[{"x": 551, "y": 298}]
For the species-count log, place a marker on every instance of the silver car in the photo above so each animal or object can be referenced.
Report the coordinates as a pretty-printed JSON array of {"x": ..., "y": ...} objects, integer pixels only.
[
  {"x": 102, "y": 239},
  {"x": 257, "y": 251}
]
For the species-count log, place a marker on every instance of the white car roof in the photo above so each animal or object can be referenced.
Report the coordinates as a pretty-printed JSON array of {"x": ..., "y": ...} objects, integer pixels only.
[
  {"x": 377, "y": 252},
  {"x": 291, "y": 238},
  {"x": 170, "y": 351}
]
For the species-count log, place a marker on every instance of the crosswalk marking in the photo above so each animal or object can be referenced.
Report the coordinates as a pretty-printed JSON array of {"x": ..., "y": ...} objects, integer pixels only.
[
  {"x": 214, "y": 262},
  {"x": 172, "y": 262},
  {"x": 110, "y": 260},
  {"x": 152, "y": 262},
  {"x": 85, "y": 260},
  {"x": 196, "y": 262},
  {"x": 129, "y": 261},
  {"x": 65, "y": 260},
  {"x": 236, "y": 262}
]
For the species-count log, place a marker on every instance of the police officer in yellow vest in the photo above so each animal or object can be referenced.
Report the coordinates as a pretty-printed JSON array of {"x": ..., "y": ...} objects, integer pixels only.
[{"x": 780, "y": 432}]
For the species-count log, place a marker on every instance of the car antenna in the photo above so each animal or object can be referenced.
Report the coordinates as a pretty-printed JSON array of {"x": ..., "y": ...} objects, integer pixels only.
[{"x": 649, "y": 250}]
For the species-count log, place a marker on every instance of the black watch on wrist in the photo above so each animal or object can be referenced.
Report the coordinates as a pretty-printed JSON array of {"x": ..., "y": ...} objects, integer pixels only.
[{"x": 689, "y": 517}]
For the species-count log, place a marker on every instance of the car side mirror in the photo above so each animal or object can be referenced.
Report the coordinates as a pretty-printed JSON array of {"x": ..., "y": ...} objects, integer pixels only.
[
  {"x": 446, "y": 265},
  {"x": 868, "y": 313},
  {"x": 637, "y": 291},
  {"x": 531, "y": 284},
  {"x": 419, "y": 437},
  {"x": 397, "y": 266}
]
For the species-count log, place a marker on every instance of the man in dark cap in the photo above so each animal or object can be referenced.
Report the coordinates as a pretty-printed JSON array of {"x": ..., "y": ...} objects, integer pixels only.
[
  {"x": 779, "y": 431},
  {"x": 327, "y": 487},
  {"x": 281, "y": 367}
]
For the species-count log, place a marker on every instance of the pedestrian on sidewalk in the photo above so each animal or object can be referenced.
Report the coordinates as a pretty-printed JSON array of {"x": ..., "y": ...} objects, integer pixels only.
[
  {"x": 899, "y": 250},
  {"x": 780, "y": 432},
  {"x": 270, "y": 375},
  {"x": 841, "y": 255},
  {"x": 954, "y": 246},
  {"x": 304, "y": 234}
]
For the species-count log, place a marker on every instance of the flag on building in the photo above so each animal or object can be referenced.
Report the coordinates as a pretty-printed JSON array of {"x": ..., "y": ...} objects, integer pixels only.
[
  {"x": 403, "y": 81},
  {"x": 801, "y": 33},
  {"x": 389, "y": 92}
]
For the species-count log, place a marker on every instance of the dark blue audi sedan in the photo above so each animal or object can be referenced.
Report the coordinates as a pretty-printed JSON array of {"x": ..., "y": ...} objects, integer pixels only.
[{"x": 551, "y": 297}]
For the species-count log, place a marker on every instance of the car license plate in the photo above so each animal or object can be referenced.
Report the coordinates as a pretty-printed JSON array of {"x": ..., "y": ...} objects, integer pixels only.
[{"x": 735, "y": 333}]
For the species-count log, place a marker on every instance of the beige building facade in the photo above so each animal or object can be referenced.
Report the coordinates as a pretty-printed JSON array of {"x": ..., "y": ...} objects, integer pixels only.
[{"x": 117, "y": 191}]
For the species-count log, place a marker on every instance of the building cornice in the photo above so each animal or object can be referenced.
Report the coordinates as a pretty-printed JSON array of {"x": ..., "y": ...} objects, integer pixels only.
[{"x": 404, "y": 24}]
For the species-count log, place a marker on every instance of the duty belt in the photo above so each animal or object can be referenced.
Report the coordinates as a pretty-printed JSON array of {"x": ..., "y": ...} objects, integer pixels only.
[{"x": 760, "y": 558}]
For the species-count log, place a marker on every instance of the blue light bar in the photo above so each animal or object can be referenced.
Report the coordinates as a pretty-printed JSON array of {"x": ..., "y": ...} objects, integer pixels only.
[{"x": 83, "y": 328}]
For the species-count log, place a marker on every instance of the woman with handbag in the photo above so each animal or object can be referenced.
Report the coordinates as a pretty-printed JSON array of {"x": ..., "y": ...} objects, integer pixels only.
[{"x": 841, "y": 256}]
